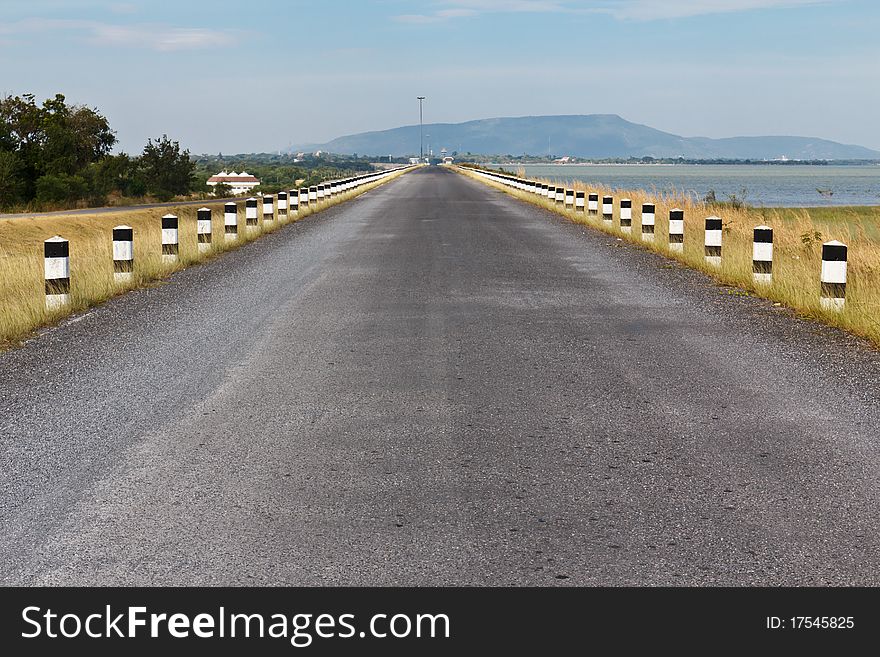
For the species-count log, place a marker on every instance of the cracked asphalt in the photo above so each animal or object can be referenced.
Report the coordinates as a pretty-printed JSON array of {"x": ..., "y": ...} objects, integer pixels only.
[{"x": 438, "y": 384}]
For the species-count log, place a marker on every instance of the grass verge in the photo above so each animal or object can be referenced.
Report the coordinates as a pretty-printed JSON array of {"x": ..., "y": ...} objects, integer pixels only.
[
  {"x": 798, "y": 234},
  {"x": 22, "y": 288}
]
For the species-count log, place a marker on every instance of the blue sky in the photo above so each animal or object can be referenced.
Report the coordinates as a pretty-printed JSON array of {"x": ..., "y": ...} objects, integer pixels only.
[{"x": 257, "y": 76}]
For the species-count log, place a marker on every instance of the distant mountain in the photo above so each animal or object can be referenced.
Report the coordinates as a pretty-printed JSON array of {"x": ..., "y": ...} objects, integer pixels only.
[{"x": 585, "y": 136}]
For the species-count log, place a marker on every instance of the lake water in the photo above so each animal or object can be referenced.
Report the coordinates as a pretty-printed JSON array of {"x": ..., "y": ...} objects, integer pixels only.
[{"x": 758, "y": 185}]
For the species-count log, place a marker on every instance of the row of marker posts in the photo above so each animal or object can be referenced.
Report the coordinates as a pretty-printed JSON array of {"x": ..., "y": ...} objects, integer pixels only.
[
  {"x": 56, "y": 250},
  {"x": 832, "y": 295}
]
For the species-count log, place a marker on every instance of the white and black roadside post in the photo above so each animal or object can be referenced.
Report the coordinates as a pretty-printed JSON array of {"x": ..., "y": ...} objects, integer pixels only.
[
  {"x": 543, "y": 190},
  {"x": 560, "y": 195},
  {"x": 762, "y": 255},
  {"x": 250, "y": 214},
  {"x": 203, "y": 229},
  {"x": 607, "y": 208},
  {"x": 230, "y": 222},
  {"x": 313, "y": 194},
  {"x": 833, "y": 294},
  {"x": 123, "y": 254},
  {"x": 56, "y": 267},
  {"x": 268, "y": 209},
  {"x": 569, "y": 199},
  {"x": 304, "y": 197},
  {"x": 647, "y": 222},
  {"x": 676, "y": 230},
  {"x": 579, "y": 204},
  {"x": 293, "y": 202},
  {"x": 593, "y": 204},
  {"x": 551, "y": 192},
  {"x": 626, "y": 215},
  {"x": 712, "y": 242},
  {"x": 282, "y": 206},
  {"x": 170, "y": 238}
]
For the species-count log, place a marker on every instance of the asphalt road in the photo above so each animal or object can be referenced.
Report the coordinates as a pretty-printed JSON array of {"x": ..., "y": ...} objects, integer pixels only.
[
  {"x": 124, "y": 208},
  {"x": 438, "y": 384}
]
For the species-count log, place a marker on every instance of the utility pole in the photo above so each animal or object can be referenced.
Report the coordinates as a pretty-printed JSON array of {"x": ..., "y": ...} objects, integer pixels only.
[{"x": 421, "y": 148}]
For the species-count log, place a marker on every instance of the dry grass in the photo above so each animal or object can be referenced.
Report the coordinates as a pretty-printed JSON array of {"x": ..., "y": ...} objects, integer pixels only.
[
  {"x": 797, "y": 234},
  {"x": 22, "y": 293}
]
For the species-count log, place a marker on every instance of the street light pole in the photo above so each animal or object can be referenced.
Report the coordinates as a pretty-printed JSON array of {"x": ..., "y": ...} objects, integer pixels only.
[{"x": 421, "y": 149}]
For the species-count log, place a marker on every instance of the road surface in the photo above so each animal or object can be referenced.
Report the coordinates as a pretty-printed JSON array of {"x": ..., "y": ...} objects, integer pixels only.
[
  {"x": 125, "y": 208},
  {"x": 438, "y": 384}
]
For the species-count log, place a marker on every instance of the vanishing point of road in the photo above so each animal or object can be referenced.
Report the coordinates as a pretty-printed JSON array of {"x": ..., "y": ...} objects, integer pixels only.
[{"x": 438, "y": 384}]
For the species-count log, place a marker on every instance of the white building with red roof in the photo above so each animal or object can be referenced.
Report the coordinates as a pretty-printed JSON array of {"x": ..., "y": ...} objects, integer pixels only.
[{"x": 239, "y": 183}]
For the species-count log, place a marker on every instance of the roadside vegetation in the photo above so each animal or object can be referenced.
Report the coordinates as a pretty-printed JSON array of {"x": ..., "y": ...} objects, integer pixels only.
[
  {"x": 57, "y": 156},
  {"x": 798, "y": 234},
  {"x": 276, "y": 171}
]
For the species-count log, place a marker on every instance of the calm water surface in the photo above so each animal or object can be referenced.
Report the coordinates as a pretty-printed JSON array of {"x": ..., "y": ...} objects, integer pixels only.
[{"x": 759, "y": 185}]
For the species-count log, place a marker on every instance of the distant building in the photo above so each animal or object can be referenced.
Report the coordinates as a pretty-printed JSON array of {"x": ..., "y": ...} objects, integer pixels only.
[
  {"x": 413, "y": 160},
  {"x": 448, "y": 159},
  {"x": 239, "y": 183}
]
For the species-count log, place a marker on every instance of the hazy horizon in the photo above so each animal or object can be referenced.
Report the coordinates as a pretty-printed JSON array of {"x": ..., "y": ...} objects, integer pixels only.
[{"x": 223, "y": 77}]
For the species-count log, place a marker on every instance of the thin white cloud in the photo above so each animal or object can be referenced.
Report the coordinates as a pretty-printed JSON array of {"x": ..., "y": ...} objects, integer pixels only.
[
  {"x": 648, "y": 10},
  {"x": 159, "y": 37},
  {"x": 464, "y": 8},
  {"x": 640, "y": 10}
]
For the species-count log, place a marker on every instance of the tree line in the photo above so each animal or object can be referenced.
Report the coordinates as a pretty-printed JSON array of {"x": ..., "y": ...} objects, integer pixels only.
[
  {"x": 58, "y": 155},
  {"x": 55, "y": 153}
]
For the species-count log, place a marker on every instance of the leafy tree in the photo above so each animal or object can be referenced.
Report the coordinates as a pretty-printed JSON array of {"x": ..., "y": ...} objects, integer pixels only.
[
  {"x": 74, "y": 137},
  {"x": 115, "y": 173},
  {"x": 60, "y": 187},
  {"x": 11, "y": 182},
  {"x": 55, "y": 138},
  {"x": 166, "y": 169},
  {"x": 222, "y": 190},
  {"x": 21, "y": 133}
]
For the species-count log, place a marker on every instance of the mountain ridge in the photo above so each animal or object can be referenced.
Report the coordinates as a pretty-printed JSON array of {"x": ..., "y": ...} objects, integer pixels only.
[{"x": 584, "y": 136}]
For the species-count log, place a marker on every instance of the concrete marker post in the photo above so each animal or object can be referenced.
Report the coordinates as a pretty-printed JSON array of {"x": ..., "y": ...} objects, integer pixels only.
[
  {"x": 282, "y": 206},
  {"x": 170, "y": 239},
  {"x": 203, "y": 229},
  {"x": 833, "y": 291},
  {"x": 626, "y": 217},
  {"x": 712, "y": 242},
  {"x": 293, "y": 202},
  {"x": 607, "y": 209},
  {"x": 56, "y": 272},
  {"x": 762, "y": 255},
  {"x": 123, "y": 254},
  {"x": 304, "y": 197},
  {"x": 593, "y": 204},
  {"x": 569, "y": 199},
  {"x": 579, "y": 201},
  {"x": 251, "y": 220},
  {"x": 230, "y": 222},
  {"x": 313, "y": 194},
  {"x": 647, "y": 222},
  {"x": 268, "y": 209},
  {"x": 676, "y": 230},
  {"x": 560, "y": 195}
]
